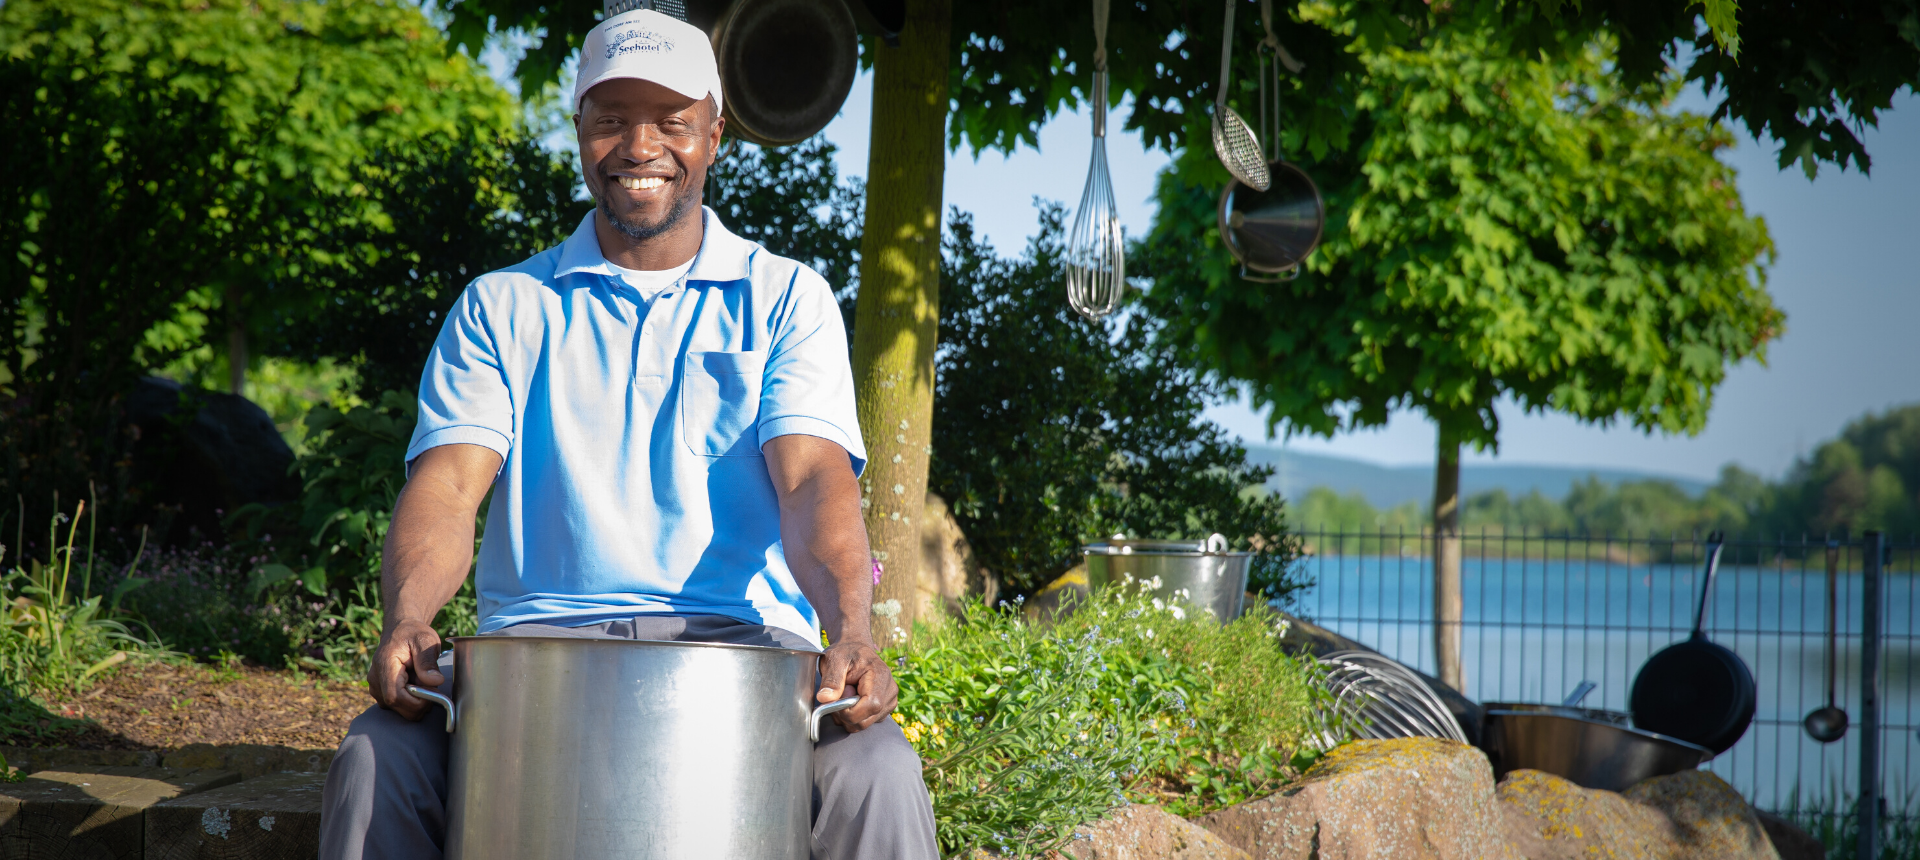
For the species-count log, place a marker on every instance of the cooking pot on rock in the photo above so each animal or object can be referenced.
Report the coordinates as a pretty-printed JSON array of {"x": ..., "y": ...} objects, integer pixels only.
[
  {"x": 1202, "y": 573},
  {"x": 619, "y": 748}
]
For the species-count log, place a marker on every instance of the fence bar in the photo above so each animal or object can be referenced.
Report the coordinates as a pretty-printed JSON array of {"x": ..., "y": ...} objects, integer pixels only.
[{"x": 1869, "y": 810}]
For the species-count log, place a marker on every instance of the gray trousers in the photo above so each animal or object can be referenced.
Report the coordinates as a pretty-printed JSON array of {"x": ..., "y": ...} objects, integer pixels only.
[{"x": 386, "y": 792}]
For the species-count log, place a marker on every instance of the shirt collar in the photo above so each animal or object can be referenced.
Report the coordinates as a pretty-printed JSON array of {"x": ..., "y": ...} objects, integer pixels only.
[{"x": 722, "y": 258}]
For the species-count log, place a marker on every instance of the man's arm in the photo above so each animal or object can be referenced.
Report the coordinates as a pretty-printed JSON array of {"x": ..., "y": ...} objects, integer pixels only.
[
  {"x": 826, "y": 548},
  {"x": 428, "y": 553}
]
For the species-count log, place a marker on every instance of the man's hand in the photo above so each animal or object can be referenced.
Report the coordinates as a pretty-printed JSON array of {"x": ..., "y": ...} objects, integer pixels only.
[
  {"x": 826, "y": 547},
  {"x": 408, "y": 654},
  {"x": 856, "y": 669},
  {"x": 429, "y": 549}
]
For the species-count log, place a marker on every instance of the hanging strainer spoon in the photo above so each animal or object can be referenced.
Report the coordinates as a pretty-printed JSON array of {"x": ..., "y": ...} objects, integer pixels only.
[
  {"x": 1233, "y": 140},
  {"x": 1096, "y": 256}
]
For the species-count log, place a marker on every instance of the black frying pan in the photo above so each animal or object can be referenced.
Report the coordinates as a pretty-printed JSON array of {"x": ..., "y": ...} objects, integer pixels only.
[{"x": 1695, "y": 690}]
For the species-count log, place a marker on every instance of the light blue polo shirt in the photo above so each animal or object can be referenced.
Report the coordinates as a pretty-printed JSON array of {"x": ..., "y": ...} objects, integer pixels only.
[{"x": 631, "y": 429}]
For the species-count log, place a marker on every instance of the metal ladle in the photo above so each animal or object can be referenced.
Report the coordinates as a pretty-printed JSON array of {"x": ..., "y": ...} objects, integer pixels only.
[{"x": 1829, "y": 724}]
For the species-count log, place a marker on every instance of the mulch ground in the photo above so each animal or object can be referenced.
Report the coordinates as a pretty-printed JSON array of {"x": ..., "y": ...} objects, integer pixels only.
[{"x": 156, "y": 706}]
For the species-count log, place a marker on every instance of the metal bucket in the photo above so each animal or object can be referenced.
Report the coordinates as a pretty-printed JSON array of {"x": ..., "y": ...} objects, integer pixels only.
[
  {"x": 619, "y": 748},
  {"x": 1588, "y": 747},
  {"x": 1201, "y": 573}
]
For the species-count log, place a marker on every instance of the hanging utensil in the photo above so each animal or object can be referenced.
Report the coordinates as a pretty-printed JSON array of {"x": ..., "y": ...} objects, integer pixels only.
[
  {"x": 1272, "y": 230},
  {"x": 1096, "y": 252},
  {"x": 1696, "y": 690},
  {"x": 1829, "y": 724},
  {"x": 1233, "y": 141}
]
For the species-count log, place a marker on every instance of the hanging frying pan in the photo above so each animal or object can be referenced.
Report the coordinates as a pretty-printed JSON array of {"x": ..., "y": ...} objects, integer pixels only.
[
  {"x": 1695, "y": 690},
  {"x": 786, "y": 66},
  {"x": 1272, "y": 231}
]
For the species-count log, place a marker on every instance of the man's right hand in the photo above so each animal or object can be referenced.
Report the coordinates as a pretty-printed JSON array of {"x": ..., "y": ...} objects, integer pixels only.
[{"x": 408, "y": 654}]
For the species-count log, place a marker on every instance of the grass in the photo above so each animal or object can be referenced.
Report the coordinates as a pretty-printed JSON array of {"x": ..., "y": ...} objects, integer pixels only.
[
  {"x": 1834, "y": 819},
  {"x": 55, "y": 633}
]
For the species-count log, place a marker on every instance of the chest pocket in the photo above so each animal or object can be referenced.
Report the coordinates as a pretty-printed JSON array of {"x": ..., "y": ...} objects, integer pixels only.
[{"x": 720, "y": 402}]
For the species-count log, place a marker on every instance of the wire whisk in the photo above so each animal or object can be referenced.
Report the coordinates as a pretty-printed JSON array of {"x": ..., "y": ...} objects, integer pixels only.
[
  {"x": 1385, "y": 699},
  {"x": 1096, "y": 260}
]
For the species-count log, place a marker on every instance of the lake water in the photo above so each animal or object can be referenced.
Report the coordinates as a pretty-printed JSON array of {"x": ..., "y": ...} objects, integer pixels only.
[{"x": 1535, "y": 628}]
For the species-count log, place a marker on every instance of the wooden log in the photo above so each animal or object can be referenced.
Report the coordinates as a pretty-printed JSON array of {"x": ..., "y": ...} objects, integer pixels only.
[
  {"x": 274, "y": 817},
  {"x": 33, "y": 759},
  {"x": 248, "y": 760},
  {"x": 93, "y": 814}
]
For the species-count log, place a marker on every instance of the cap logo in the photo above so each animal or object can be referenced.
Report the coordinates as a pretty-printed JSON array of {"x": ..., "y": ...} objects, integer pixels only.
[{"x": 637, "y": 41}]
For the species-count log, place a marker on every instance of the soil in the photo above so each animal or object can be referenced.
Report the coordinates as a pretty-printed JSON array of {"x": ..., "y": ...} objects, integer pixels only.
[{"x": 158, "y": 706}]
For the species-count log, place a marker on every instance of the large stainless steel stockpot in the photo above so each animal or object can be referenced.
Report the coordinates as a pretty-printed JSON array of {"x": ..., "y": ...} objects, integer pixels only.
[
  {"x": 617, "y": 748},
  {"x": 1202, "y": 573}
]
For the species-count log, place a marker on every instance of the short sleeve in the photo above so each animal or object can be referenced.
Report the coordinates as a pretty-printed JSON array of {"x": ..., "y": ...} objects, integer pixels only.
[
  {"x": 807, "y": 389},
  {"x": 464, "y": 396}
]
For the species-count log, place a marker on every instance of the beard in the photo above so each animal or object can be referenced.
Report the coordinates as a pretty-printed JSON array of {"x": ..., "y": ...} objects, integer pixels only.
[{"x": 640, "y": 231}]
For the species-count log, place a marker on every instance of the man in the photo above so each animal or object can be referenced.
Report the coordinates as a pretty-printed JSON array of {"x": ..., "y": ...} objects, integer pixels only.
[{"x": 664, "y": 413}]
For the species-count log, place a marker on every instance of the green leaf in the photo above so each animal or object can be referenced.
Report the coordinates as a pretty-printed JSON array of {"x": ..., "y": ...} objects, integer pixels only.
[
  {"x": 315, "y": 579},
  {"x": 267, "y": 576}
]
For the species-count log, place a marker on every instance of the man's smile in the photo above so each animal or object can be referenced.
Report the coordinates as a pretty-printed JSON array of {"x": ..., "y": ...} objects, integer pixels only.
[{"x": 640, "y": 183}]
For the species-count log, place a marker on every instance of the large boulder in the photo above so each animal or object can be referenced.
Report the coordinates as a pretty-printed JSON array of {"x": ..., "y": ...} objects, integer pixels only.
[
  {"x": 207, "y": 453},
  {"x": 949, "y": 574},
  {"x": 1142, "y": 832},
  {"x": 1407, "y": 799},
  {"x": 1693, "y": 815},
  {"x": 1711, "y": 821}
]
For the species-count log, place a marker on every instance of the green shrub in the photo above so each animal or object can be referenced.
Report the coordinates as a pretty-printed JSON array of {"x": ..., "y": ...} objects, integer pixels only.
[
  {"x": 1028, "y": 730},
  {"x": 56, "y": 632},
  {"x": 350, "y": 480}
]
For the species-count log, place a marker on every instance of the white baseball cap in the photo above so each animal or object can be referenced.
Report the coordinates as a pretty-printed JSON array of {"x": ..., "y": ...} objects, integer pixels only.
[{"x": 649, "y": 46}]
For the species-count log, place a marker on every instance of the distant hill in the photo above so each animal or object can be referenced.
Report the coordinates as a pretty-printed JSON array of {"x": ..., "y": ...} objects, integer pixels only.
[{"x": 1390, "y": 486}]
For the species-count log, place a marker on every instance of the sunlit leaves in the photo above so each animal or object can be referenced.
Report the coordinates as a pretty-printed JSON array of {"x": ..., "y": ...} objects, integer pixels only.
[{"x": 1516, "y": 228}]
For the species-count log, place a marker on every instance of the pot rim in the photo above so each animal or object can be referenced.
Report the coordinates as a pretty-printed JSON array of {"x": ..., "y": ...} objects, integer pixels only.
[
  {"x": 1705, "y": 753},
  {"x": 598, "y": 641}
]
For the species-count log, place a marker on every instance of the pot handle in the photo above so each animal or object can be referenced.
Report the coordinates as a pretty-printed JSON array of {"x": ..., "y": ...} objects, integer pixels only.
[
  {"x": 445, "y": 702},
  {"x": 813, "y": 724}
]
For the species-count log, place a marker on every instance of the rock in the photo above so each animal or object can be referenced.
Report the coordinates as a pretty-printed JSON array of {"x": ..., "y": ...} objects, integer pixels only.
[
  {"x": 1377, "y": 800},
  {"x": 949, "y": 574},
  {"x": 1549, "y": 818},
  {"x": 1789, "y": 840},
  {"x": 1687, "y": 816},
  {"x": 207, "y": 453},
  {"x": 1142, "y": 832},
  {"x": 1059, "y": 597},
  {"x": 274, "y": 817},
  {"x": 1711, "y": 821},
  {"x": 1306, "y": 637},
  {"x": 95, "y": 814}
]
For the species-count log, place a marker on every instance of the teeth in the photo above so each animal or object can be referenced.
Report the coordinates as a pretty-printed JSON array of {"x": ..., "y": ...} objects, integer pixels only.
[{"x": 640, "y": 184}]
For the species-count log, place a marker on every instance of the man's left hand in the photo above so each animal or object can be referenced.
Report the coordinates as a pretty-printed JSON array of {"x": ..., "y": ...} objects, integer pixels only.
[{"x": 858, "y": 668}]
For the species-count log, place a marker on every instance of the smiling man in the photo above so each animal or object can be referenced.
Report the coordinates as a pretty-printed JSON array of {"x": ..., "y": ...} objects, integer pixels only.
[{"x": 664, "y": 414}]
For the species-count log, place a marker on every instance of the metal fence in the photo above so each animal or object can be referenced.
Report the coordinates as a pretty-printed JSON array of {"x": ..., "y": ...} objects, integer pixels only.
[{"x": 1543, "y": 614}]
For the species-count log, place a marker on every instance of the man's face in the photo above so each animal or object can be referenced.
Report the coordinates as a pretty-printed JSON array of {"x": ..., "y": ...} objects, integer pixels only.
[{"x": 644, "y": 150}]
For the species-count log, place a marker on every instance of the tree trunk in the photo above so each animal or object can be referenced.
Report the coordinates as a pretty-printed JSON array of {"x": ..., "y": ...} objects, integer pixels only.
[
  {"x": 236, "y": 342},
  {"x": 1447, "y": 604},
  {"x": 898, "y": 314}
]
